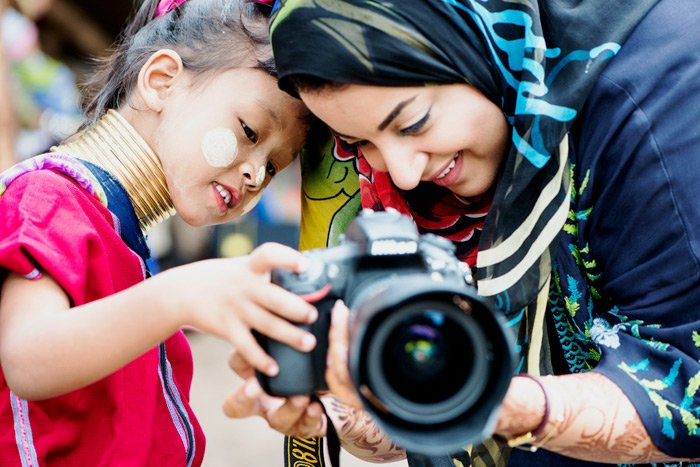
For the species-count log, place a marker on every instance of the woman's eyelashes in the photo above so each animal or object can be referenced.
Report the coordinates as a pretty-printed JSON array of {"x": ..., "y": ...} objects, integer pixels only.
[
  {"x": 416, "y": 127},
  {"x": 249, "y": 132},
  {"x": 410, "y": 130}
]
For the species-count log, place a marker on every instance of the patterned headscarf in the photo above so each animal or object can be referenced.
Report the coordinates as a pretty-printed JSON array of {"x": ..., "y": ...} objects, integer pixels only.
[{"x": 536, "y": 60}]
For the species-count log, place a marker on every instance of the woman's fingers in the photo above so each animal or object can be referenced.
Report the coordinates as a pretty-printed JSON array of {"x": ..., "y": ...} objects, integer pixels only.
[
  {"x": 240, "y": 365},
  {"x": 297, "y": 416},
  {"x": 337, "y": 372},
  {"x": 294, "y": 416},
  {"x": 245, "y": 401},
  {"x": 311, "y": 423}
]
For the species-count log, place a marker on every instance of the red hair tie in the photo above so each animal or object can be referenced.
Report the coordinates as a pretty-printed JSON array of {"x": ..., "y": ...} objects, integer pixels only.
[{"x": 166, "y": 6}]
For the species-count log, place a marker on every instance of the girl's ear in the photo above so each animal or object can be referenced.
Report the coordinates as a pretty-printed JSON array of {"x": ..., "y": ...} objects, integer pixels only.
[{"x": 157, "y": 77}]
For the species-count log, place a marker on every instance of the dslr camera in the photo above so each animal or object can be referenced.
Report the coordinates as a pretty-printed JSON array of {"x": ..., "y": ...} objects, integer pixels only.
[{"x": 430, "y": 358}]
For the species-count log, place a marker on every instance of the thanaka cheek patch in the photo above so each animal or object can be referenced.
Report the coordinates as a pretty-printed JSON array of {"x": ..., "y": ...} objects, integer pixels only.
[
  {"x": 220, "y": 147},
  {"x": 260, "y": 176}
]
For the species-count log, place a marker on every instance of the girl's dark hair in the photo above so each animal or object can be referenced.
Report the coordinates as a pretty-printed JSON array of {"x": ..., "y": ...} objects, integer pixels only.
[
  {"x": 296, "y": 83},
  {"x": 209, "y": 35}
]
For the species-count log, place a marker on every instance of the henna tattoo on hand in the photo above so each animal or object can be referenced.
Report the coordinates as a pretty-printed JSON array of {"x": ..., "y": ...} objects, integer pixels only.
[
  {"x": 596, "y": 421},
  {"x": 359, "y": 435}
]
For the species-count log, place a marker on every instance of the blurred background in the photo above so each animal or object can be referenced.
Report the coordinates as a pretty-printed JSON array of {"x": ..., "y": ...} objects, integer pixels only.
[{"x": 47, "y": 49}]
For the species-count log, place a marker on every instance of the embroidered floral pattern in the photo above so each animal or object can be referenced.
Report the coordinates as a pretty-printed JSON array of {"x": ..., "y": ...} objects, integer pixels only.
[{"x": 588, "y": 324}]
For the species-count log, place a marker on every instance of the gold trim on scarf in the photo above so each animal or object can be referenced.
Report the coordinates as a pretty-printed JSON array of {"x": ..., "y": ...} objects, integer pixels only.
[{"x": 113, "y": 144}]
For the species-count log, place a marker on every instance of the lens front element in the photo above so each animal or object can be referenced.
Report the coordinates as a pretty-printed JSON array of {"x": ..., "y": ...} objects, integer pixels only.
[{"x": 427, "y": 361}]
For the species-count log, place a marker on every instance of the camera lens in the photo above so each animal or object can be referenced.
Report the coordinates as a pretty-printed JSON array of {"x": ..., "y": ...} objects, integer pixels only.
[
  {"x": 427, "y": 361},
  {"x": 422, "y": 357}
]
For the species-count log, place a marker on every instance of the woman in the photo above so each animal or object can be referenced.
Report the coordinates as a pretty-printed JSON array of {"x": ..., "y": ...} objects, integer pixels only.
[{"x": 574, "y": 125}]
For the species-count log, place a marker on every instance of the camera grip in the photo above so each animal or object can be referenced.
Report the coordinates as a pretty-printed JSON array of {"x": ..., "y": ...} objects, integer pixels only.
[{"x": 301, "y": 373}]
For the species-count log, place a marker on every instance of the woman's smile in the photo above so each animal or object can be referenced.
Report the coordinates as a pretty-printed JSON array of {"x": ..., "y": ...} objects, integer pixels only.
[
  {"x": 450, "y": 173},
  {"x": 410, "y": 132}
]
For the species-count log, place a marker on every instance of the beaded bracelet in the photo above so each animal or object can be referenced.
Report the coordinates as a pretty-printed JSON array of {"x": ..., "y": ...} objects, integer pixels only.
[{"x": 526, "y": 441}]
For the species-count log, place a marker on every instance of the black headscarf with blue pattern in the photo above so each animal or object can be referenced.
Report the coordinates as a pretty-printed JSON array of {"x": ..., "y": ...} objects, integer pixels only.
[{"x": 536, "y": 60}]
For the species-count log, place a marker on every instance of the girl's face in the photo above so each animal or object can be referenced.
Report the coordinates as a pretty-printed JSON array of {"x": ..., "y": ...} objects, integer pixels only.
[
  {"x": 222, "y": 138},
  {"x": 450, "y": 135}
]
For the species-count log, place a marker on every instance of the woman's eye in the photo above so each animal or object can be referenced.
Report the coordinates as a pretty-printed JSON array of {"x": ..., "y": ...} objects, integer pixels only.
[
  {"x": 271, "y": 170},
  {"x": 416, "y": 127},
  {"x": 250, "y": 134}
]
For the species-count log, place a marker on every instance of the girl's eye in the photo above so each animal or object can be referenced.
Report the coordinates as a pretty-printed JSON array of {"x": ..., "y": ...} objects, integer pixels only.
[
  {"x": 250, "y": 134},
  {"x": 271, "y": 170},
  {"x": 358, "y": 143},
  {"x": 416, "y": 127}
]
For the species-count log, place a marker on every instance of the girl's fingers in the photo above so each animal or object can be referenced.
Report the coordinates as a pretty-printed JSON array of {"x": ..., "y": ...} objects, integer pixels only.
[
  {"x": 279, "y": 329},
  {"x": 250, "y": 351},
  {"x": 285, "y": 304},
  {"x": 270, "y": 256}
]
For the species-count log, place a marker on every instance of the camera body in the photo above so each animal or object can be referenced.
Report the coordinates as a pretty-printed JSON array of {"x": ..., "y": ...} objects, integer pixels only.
[{"x": 427, "y": 354}]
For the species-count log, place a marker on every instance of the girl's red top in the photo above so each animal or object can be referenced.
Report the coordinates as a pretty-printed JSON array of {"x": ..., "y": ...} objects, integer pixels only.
[{"x": 139, "y": 415}]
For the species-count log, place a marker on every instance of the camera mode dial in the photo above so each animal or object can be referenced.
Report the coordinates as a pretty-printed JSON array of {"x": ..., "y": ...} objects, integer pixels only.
[{"x": 305, "y": 283}]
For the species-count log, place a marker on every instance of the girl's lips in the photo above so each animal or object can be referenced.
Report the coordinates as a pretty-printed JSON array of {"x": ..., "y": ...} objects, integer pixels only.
[{"x": 227, "y": 197}]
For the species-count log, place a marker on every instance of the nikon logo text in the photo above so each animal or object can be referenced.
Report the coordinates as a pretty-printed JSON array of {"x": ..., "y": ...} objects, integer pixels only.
[{"x": 393, "y": 247}]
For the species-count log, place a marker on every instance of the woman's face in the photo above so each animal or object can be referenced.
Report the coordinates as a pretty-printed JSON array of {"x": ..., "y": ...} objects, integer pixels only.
[
  {"x": 450, "y": 135},
  {"x": 222, "y": 138}
]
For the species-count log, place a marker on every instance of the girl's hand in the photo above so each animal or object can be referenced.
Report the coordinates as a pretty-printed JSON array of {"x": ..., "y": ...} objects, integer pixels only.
[
  {"x": 230, "y": 297},
  {"x": 295, "y": 416}
]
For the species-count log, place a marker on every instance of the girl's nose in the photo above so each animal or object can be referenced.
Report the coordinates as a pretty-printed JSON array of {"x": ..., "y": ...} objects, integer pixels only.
[
  {"x": 404, "y": 165},
  {"x": 253, "y": 175}
]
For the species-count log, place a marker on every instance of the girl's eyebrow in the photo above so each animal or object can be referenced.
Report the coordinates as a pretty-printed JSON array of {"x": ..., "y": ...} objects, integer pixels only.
[
  {"x": 395, "y": 113},
  {"x": 267, "y": 108},
  {"x": 337, "y": 133}
]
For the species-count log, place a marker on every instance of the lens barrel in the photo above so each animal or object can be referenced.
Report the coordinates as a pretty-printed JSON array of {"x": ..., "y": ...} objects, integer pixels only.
[{"x": 431, "y": 362}]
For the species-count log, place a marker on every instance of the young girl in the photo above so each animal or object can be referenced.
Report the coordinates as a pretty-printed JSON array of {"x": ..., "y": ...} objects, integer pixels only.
[{"x": 94, "y": 368}]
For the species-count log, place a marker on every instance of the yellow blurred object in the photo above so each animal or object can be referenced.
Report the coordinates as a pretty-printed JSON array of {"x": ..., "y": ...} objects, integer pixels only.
[{"x": 236, "y": 244}]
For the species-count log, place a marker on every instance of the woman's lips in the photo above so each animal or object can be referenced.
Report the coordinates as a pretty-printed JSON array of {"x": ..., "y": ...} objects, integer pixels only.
[{"x": 450, "y": 172}]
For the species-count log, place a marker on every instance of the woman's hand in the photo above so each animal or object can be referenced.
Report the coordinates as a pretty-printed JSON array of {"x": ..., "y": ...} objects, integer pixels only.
[
  {"x": 587, "y": 417},
  {"x": 298, "y": 416},
  {"x": 337, "y": 371},
  {"x": 294, "y": 416}
]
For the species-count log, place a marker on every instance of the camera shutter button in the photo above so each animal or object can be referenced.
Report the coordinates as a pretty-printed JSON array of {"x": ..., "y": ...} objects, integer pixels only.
[{"x": 313, "y": 272}]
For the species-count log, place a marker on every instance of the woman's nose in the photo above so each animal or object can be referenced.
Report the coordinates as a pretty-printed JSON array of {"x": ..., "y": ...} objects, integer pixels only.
[{"x": 404, "y": 165}]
